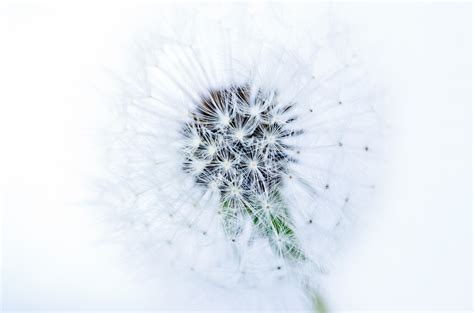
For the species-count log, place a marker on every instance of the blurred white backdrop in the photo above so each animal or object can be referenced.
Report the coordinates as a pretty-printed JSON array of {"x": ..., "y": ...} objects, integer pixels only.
[{"x": 415, "y": 252}]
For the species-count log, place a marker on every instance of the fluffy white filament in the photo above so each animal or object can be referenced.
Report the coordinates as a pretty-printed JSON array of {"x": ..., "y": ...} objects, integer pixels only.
[{"x": 177, "y": 174}]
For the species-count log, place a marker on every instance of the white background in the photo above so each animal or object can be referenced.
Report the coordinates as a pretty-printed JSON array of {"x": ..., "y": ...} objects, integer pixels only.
[{"x": 416, "y": 252}]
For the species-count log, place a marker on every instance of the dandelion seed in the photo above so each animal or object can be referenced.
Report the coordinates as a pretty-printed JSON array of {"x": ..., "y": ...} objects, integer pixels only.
[
  {"x": 239, "y": 135},
  {"x": 212, "y": 149}
]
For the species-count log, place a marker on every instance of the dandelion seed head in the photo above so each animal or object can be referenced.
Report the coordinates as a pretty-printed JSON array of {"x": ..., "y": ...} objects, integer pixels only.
[
  {"x": 228, "y": 151},
  {"x": 257, "y": 146}
]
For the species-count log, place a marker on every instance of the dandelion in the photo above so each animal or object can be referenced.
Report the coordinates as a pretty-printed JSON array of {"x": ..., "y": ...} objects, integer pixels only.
[{"x": 246, "y": 154}]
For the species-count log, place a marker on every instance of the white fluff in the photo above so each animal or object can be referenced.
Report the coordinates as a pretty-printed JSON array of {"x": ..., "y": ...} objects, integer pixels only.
[{"x": 180, "y": 222}]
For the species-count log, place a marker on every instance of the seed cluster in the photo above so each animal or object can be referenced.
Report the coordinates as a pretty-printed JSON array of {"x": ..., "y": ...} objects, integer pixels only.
[{"x": 234, "y": 142}]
